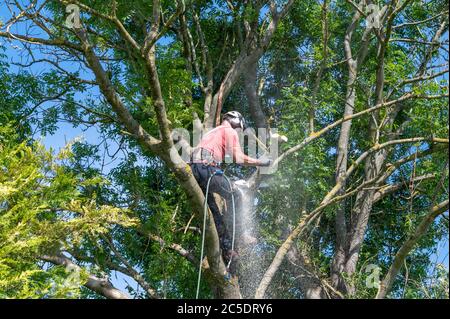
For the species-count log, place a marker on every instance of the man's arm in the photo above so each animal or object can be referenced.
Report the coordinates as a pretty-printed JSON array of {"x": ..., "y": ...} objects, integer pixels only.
[{"x": 233, "y": 148}]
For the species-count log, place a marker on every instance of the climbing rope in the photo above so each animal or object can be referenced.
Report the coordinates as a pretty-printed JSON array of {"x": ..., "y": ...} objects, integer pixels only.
[{"x": 205, "y": 213}]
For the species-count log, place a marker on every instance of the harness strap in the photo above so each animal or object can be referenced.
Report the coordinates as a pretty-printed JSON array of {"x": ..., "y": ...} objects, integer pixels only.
[{"x": 204, "y": 156}]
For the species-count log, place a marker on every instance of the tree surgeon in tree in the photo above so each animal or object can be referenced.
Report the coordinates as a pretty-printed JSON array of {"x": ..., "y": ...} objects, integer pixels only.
[{"x": 206, "y": 161}]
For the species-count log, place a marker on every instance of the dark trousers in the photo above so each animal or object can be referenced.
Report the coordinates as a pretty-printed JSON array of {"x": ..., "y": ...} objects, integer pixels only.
[{"x": 218, "y": 185}]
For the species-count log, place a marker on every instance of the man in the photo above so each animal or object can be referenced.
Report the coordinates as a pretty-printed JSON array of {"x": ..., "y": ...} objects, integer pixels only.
[{"x": 207, "y": 158}]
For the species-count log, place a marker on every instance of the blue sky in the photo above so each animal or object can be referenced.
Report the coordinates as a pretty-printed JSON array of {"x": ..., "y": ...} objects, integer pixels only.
[{"x": 66, "y": 132}]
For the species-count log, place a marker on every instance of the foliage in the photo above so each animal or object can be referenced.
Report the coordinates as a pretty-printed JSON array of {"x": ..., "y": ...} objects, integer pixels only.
[
  {"x": 108, "y": 218},
  {"x": 43, "y": 211}
]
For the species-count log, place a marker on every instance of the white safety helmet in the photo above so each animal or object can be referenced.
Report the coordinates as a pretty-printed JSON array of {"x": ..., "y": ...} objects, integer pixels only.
[{"x": 236, "y": 119}]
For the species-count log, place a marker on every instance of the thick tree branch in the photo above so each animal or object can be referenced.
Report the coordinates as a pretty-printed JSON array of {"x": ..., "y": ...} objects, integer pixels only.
[{"x": 113, "y": 98}]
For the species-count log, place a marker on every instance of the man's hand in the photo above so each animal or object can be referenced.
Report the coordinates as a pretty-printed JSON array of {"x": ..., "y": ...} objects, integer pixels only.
[{"x": 265, "y": 162}]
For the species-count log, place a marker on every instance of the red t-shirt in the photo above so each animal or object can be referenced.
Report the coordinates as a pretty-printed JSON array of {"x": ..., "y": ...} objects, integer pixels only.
[{"x": 224, "y": 140}]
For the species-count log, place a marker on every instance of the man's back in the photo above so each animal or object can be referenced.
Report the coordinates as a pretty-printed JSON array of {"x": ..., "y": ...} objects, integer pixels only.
[{"x": 215, "y": 141}]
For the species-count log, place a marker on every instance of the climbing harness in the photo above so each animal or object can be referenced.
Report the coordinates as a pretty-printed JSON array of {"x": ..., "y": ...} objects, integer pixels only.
[{"x": 205, "y": 213}]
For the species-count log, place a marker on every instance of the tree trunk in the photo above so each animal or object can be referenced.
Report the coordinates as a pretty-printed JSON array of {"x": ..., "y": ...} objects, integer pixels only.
[
  {"x": 308, "y": 282},
  {"x": 341, "y": 227},
  {"x": 338, "y": 262},
  {"x": 251, "y": 92}
]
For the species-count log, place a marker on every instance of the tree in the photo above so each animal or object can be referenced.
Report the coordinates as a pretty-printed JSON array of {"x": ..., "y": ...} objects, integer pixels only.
[
  {"x": 43, "y": 216},
  {"x": 308, "y": 68}
]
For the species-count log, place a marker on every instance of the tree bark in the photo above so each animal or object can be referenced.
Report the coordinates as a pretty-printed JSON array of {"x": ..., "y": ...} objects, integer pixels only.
[
  {"x": 251, "y": 92},
  {"x": 407, "y": 246}
]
